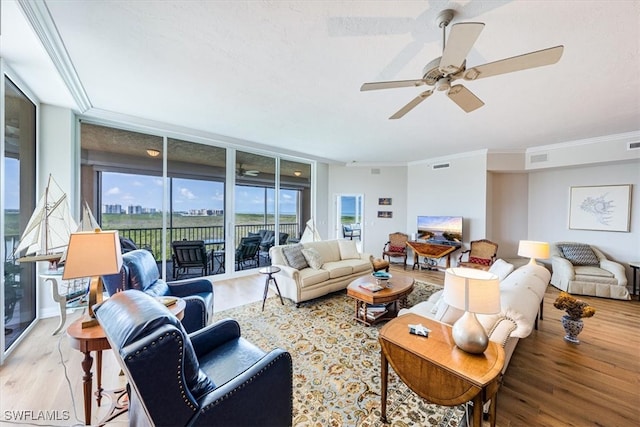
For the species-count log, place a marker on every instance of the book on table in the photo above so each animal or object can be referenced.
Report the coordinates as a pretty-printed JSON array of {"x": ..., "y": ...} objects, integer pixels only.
[
  {"x": 373, "y": 287},
  {"x": 374, "y": 311}
]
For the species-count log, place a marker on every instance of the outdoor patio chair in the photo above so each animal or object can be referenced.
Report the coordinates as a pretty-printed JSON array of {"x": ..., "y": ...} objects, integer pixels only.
[
  {"x": 187, "y": 255},
  {"x": 247, "y": 252}
]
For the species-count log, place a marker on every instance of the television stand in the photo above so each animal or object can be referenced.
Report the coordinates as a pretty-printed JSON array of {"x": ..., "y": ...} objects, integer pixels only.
[{"x": 432, "y": 253}]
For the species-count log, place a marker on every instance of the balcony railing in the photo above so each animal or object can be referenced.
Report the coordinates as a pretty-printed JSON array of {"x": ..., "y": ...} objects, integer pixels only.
[{"x": 151, "y": 238}]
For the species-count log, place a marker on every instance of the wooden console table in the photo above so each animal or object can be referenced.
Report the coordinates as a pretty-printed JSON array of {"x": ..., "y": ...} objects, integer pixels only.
[
  {"x": 430, "y": 251},
  {"x": 436, "y": 369}
]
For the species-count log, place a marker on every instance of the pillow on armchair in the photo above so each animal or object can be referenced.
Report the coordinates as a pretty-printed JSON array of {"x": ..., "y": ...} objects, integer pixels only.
[{"x": 579, "y": 254}]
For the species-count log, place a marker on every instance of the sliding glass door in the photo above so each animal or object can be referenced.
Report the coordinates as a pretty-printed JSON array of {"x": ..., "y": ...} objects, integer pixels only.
[
  {"x": 156, "y": 190},
  {"x": 17, "y": 204}
]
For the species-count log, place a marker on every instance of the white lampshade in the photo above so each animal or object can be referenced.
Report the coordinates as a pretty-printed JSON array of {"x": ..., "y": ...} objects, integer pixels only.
[
  {"x": 532, "y": 249},
  {"x": 92, "y": 253},
  {"x": 472, "y": 290}
]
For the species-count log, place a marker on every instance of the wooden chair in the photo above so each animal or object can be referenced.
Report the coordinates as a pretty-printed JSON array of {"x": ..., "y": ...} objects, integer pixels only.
[
  {"x": 396, "y": 247},
  {"x": 188, "y": 254},
  {"x": 480, "y": 255}
]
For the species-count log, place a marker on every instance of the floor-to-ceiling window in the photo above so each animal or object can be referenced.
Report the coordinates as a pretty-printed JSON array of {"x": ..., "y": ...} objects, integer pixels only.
[
  {"x": 157, "y": 190},
  {"x": 18, "y": 202}
]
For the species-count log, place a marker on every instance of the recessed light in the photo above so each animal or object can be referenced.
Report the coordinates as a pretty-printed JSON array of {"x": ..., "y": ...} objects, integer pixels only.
[
  {"x": 297, "y": 173},
  {"x": 153, "y": 153}
]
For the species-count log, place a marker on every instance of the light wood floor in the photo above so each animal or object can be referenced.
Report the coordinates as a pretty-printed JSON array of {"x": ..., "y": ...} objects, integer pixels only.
[{"x": 548, "y": 383}]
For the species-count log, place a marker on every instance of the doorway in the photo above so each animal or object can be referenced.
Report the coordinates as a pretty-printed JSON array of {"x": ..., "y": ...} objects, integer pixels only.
[{"x": 349, "y": 217}]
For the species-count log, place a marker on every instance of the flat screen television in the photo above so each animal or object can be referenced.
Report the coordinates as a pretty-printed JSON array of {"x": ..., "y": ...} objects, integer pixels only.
[{"x": 445, "y": 230}]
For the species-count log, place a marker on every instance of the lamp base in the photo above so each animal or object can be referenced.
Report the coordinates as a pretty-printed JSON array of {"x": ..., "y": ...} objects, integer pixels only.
[
  {"x": 89, "y": 322},
  {"x": 95, "y": 297},
  {"x": 469, "y": 335}
]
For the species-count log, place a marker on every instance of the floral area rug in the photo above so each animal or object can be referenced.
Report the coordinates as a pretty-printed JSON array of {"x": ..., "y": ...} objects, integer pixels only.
[{"x": 336, "y": 363}]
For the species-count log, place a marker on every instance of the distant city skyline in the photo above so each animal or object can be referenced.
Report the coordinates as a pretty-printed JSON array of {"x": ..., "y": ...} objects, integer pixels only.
[{"x": 189, "y": 194}]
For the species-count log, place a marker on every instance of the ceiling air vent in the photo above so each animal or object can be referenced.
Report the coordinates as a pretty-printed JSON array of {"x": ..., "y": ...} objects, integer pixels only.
[
  {"x": 375, "y": 171},
  {"x": 441, "y": 166},
  {"x": 538, "y": 158},
  {"x": 633, "y": 146}
]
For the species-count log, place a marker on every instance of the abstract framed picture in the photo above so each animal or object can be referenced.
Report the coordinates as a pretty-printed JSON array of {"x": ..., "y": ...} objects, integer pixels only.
[
  {"x": 385, "y": 214},
  {"x": 384, "y": 201},
  {"x": 601, "y": 208}
]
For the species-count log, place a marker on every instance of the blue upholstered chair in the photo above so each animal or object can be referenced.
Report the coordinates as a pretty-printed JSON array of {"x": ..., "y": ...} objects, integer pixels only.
[
  {"x": 140, "y": 271},
  {"x": 211, "y": 377}
]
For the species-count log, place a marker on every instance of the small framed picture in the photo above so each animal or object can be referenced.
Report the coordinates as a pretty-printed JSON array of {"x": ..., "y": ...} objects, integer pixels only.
[
  {"x": 384, "y": 201},
  {"x": 385, "y": 214}
]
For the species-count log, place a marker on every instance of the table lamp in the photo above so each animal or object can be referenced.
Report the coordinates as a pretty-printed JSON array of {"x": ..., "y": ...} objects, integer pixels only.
[
  {"x": 93, "y": 254},
  {"x": 533, "y": 250},
  {"x": 474, "y": 291}
]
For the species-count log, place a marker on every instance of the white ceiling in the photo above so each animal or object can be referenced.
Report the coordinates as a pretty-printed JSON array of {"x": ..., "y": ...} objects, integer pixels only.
[{"x": 287, "y": 74}]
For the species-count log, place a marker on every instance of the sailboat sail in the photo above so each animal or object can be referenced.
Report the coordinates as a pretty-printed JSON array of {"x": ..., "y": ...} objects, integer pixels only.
[
  {"x": 87, "y": 220},
  {"x": 47, "y": 233},
  {"x": 310, "y": 233}
]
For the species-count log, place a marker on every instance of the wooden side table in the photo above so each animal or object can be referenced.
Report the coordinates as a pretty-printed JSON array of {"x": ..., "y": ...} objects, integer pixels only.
[
  {"x": 430, "y": 251},
  {"x": 436, "y": 369},
  {"x": 93, "y": 339}
]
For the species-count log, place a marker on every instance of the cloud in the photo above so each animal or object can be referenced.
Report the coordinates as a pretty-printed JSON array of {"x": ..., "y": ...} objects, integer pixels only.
[
  {"x": 113, "y": 191},
  {"x": 187, "y": 194}
]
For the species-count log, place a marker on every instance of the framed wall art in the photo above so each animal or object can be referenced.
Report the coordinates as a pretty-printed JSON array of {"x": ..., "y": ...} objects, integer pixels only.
[
  {"x": 601, "y": 208},
  {"x": 385, "y": 214},
  {"x": 384, "y": 201}
]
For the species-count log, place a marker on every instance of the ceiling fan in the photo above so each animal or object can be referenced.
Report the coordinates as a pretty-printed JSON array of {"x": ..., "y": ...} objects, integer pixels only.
[
  {"x": 242, "y": 172},
  {"x": 451, "y": 66}
]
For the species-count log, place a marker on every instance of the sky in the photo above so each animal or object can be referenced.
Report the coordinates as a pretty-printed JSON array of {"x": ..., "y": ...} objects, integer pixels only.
[{"x": 188, "y": 194}]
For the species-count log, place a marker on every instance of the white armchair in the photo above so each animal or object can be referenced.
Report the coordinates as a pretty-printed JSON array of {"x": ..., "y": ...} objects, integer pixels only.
[{"x": 582, "y": 269}]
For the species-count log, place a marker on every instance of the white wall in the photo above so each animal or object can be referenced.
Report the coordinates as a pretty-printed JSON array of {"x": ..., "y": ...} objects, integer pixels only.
[
  {"x": 549, "y": 192},
  {"x": 509, "y": 212},
  {"x": 56, "y": 156},
  {"x": 374, "y": 183},
  {"x": 459, "y": 190}
]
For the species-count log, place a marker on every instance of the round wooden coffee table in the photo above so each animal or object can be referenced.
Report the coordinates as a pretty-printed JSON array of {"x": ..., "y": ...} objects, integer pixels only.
[{"x": 373, "y": 307}]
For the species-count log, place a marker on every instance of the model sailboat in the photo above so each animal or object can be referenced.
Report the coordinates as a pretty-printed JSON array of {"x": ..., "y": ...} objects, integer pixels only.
[{"x": 47, "y": 233}]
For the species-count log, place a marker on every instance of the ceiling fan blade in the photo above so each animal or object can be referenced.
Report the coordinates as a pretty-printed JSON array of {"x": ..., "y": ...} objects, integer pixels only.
[
  {"x": 464, "y": 98},
  {"x": 517, "y": 63},
  {"x": 412, "y": 104},
  {"x": 461, "y": 39},
  {"x": 392, "y": 84}
]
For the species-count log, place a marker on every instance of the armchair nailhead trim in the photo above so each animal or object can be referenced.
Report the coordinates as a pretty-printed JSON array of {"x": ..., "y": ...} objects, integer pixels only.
[{"x": 179, "y": 366}]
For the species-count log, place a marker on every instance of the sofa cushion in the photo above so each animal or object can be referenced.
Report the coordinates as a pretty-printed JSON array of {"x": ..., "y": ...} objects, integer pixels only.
[
  {"x": 295, "y": 258},
  {"x": 589, "y": 270},
  {"x": 310, "y": 277},
  {"x": 579, "y": 254},
  {"x": 337, "y": 269},
  {"x": 313, "y": 257},
  {"x": 501, "y": 268},
  {"x": 348, "y": 249}
]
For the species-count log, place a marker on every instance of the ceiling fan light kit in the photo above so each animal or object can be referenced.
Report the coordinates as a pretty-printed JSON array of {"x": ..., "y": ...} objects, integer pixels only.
[{"x": 442, "y": 72}]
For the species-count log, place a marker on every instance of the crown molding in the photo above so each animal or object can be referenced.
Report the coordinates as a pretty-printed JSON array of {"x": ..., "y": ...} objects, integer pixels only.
[
  {"x": 41, "y": 22},
  {"x": 618, "y": 137},
  {"x": 475, "y": 153}
]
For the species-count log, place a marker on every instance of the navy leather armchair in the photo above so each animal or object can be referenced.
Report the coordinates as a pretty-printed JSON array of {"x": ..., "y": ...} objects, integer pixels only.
[
  {"x": 211, "y": 377},
  {"x": 140, "y": 271}
]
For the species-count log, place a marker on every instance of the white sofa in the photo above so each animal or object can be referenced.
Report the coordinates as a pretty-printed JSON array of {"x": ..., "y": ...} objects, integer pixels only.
[
  {"x": 521, "y": 294},
  {"x": 337, "y": 263}
]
